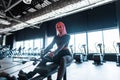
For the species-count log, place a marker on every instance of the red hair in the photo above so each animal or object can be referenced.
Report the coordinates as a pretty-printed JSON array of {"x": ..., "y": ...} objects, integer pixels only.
[{"x": 63, "y": 27}]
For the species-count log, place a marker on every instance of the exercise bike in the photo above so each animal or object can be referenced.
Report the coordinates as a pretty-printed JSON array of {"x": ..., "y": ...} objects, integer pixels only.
[
  {"x": 118, "y": 55},
  {"x": 98, "y": 57}
]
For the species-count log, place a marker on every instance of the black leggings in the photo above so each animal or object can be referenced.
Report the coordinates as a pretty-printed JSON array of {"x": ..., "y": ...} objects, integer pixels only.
[{"x": 64, "y": 62}]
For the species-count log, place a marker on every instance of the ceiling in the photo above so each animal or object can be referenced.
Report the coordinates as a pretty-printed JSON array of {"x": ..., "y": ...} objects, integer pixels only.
[{"x": 19, "y": 14}]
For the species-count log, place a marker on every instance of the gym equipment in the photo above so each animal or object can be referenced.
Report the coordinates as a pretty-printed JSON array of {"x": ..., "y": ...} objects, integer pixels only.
[
  {"x": 47, "y": 70},
  {"x": 85, "y": 54},
  {"x": 78, "y": 57},
  {"x": 4, "y": 52},
  {"x": 118, "y": 55},
  {"x": 118, "y": 60},
  {"x": 29, "y": 55},
  {"x": 71, "y": 48},
  {"x": 98, "y": 58},
  {"x": 24, "y": 59}
]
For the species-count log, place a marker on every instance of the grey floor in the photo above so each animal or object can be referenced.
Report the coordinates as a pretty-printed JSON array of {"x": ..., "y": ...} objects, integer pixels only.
[
  {"x": 83, "y": 71},
  {"x": 88, "y": 71}
]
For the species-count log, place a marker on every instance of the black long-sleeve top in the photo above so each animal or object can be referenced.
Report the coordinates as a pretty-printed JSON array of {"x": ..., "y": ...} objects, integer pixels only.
[{"x": 61, "y": 41}]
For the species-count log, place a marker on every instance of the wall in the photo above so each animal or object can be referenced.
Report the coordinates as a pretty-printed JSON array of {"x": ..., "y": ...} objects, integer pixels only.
[{"x": 97, "y": 18}]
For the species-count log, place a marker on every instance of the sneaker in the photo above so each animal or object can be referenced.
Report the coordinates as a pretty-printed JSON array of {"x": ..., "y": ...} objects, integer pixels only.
[
  {"x": 22, "y": 72},
  {"x": 13, "y": 78},
  {"x": 22, "y": 77}
]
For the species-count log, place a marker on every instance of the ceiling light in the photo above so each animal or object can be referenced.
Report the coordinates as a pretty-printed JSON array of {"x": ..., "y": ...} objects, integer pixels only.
[
  {"x": 4, "y": 22},
  {"x": 27, "y": 1}
]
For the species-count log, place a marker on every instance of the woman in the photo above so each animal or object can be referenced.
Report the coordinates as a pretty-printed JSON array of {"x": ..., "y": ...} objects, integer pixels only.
[{"x": 60, "y": 56}]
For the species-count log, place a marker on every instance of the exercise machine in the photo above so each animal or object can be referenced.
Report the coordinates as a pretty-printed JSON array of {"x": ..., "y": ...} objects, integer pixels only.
[
  {"x": 46, "y": 71},
  {"x": 118, "y": 55},
  {"x": 98, "y": 57},
  {"x": 78, "y": 57},
  {"x": 26, "y": 55},
  {"x": 4, "y": 52},
  {"x": 85, "y": 54}
]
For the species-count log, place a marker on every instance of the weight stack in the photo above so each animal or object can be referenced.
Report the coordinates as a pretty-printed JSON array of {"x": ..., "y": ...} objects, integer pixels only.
[
  {"x": 98, "y": 59},
  {"x": 78, "y": 57}
]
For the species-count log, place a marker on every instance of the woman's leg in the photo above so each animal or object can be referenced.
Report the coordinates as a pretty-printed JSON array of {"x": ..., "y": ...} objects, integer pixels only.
[
  {"x": 64, "y": 62},
  {"x": 25, "y": 76}
]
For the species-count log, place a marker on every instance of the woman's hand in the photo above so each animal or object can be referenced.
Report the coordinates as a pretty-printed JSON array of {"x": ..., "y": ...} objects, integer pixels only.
[{"x": 51, "y": 54}]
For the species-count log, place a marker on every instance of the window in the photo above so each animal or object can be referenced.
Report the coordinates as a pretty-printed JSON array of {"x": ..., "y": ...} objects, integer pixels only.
[
  {"x": 108, "y": 37},
  {"x": 80, "y": 39},
  {"x": 94, "y": 38},
  {"x": 38, "y": 43},
  {"x": 28, "y": 44},
  {"x": 18, "y": 44},
  {"x": 76, "y": 41},
  {"x": 111, "y": 37},
  {"x": 72, "y": 43},
  {"x": 49, "y": 40}
]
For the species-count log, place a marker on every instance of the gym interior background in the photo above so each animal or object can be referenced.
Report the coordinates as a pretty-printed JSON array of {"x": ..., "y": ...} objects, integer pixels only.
[{"x": 88, "y": 29}]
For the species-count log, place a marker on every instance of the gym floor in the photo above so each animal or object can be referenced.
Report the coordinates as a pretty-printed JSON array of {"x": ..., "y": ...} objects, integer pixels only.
[{"x": 76, "y": 71}]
